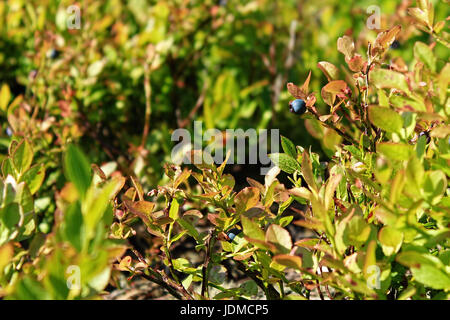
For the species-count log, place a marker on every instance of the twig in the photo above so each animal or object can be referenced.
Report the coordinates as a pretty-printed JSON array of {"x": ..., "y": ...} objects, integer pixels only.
[
  {"x": 205, "y": 268},
  {"x": 148, "y": 105},
  {"x": 270, "y": 291},
  {"x": 319, "y": 291},
  {"x": 326, "y": 286},
  {"x": 160, "y": 278},
  {"x": 440, "y": 39},
  {"x": 282, "y": 77},
  {"x": 183, "y": 123},
  {"x": 333, "y": 127},
  {"x": 161, "y": 283},
  {"x": 167, "y": 252}
]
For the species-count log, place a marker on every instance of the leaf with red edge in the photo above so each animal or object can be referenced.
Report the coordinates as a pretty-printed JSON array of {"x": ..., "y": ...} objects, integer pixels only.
[
  {"x": 332, "y": 89},
  {"x": 246, "y": 199},
  {"x": 125, "y": 264},
  {"x": 385, "y": 39},
  {"x": 295, "y": 91},
  {"x": 329, "y": 69},
  {"x": 305, "y": 86},
  {"x": 355, "y": 63}
]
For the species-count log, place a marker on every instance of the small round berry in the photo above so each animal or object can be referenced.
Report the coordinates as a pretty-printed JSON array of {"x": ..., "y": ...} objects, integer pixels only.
[
  {"x": 298, "y": 106},
  {"x": 232, "y": 234},
  {"x": 53, "y": 53},
  {"x": 395, "y": 45}
]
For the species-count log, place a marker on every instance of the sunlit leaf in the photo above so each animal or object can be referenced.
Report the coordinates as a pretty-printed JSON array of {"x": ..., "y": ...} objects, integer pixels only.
[
  {"x": 77, "y": 169},
  {"x": 385, "y": 118}
]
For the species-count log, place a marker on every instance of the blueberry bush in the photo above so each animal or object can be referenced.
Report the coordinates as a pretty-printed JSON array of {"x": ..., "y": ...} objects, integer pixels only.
[{"x": 356, "y": 206}]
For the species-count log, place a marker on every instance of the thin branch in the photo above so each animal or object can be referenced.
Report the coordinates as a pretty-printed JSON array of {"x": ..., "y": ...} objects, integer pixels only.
[
  {"x": 160, "y": 278},
  {"x": 183, "y": 123},
  {"x": 270, "y": 291},
  {"x": 319, "y": 291},
  {"x": 281, "y": 78},
  {"x": 148, "y": 105},
  {"x": 205, "y": 268}
]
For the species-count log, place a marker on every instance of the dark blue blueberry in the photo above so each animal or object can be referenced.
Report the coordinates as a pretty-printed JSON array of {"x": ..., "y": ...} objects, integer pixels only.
[
  {"x": 53, "y": 54},
  {"x": 395, "y": 45},
  {"x": 298, "y": 106},
  {"x": 233, "y": 233}
]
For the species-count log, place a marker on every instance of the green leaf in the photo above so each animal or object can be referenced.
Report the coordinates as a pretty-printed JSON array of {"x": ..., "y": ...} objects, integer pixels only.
[
  {"x": 34, "y": 177},
  {"x": 285, "y": 221},
  {"x": 423, "y": 53},
  {"x": 414, "y": 174},
  {"x": 186, "y": 225},
  {"x": 407, "y": 293},
  {"x": 249, "y": 288},
  {"x": 370, "y": 259},
  {"x": 294, "y": 297},
  {"x": 247, "y": 198},
  {"x": 288, "y": 147},
  {"x": 329, "y": 69},
  {"x": 288, "y": 261},
  {"x": 391, "y": 240},
  {"x": 399, "y": 101},
  {"x": 434, "y": 186},
  {"x": 383, "y": 78},
  {"x": 383, "y": 100},
  {"x": 96, "y": 203},
  {"x": 183, "y": 265},
  {"x": 431, "y": 277},
  {"x": 307, "y": 171},
  {"x": 285, "y": 162},
  {"x": 5, "y": 96},
  {"x": 395, "y": 151},
  {"x": 27, "y": 223},
  {"x": 415, "y": 259},
  {"x": 252, "y": 229},
  {"x": 187, "y": 281},
  {"x": 95, "y": 68},
  {"x": 332, "y": 184},
  {"x": 217, "y": 274},
  {"x": 385, "y": 118},
  {"x": 29, "y": 289},
  {"x": 73, "y": 225},
  {"x": 77, "y": 169},
  {"x": 10, "y": 215},
  {"x": 356, "y": 232},
  {"x": 100, "y": 280},
  {"x": 6, "y": 254},
  {"x": 331, "y": 140},
  {"x": 22, "y": 156},
  {"x": 279, "y": 237},
  {"x": 174, "y": 208},
  {"x": 8, "y": 168}
]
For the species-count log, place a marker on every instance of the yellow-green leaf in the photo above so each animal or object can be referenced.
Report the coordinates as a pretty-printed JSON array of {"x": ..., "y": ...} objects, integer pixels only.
[
  {"x": 288, "y": 260},
  {"x": 279, "y": 237},
  {"x": 5, "y": 96},
  {"x": 385, "y": 118},
  {"x": 383, "y": 78},
  {"x": 391, "y": 240}
]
